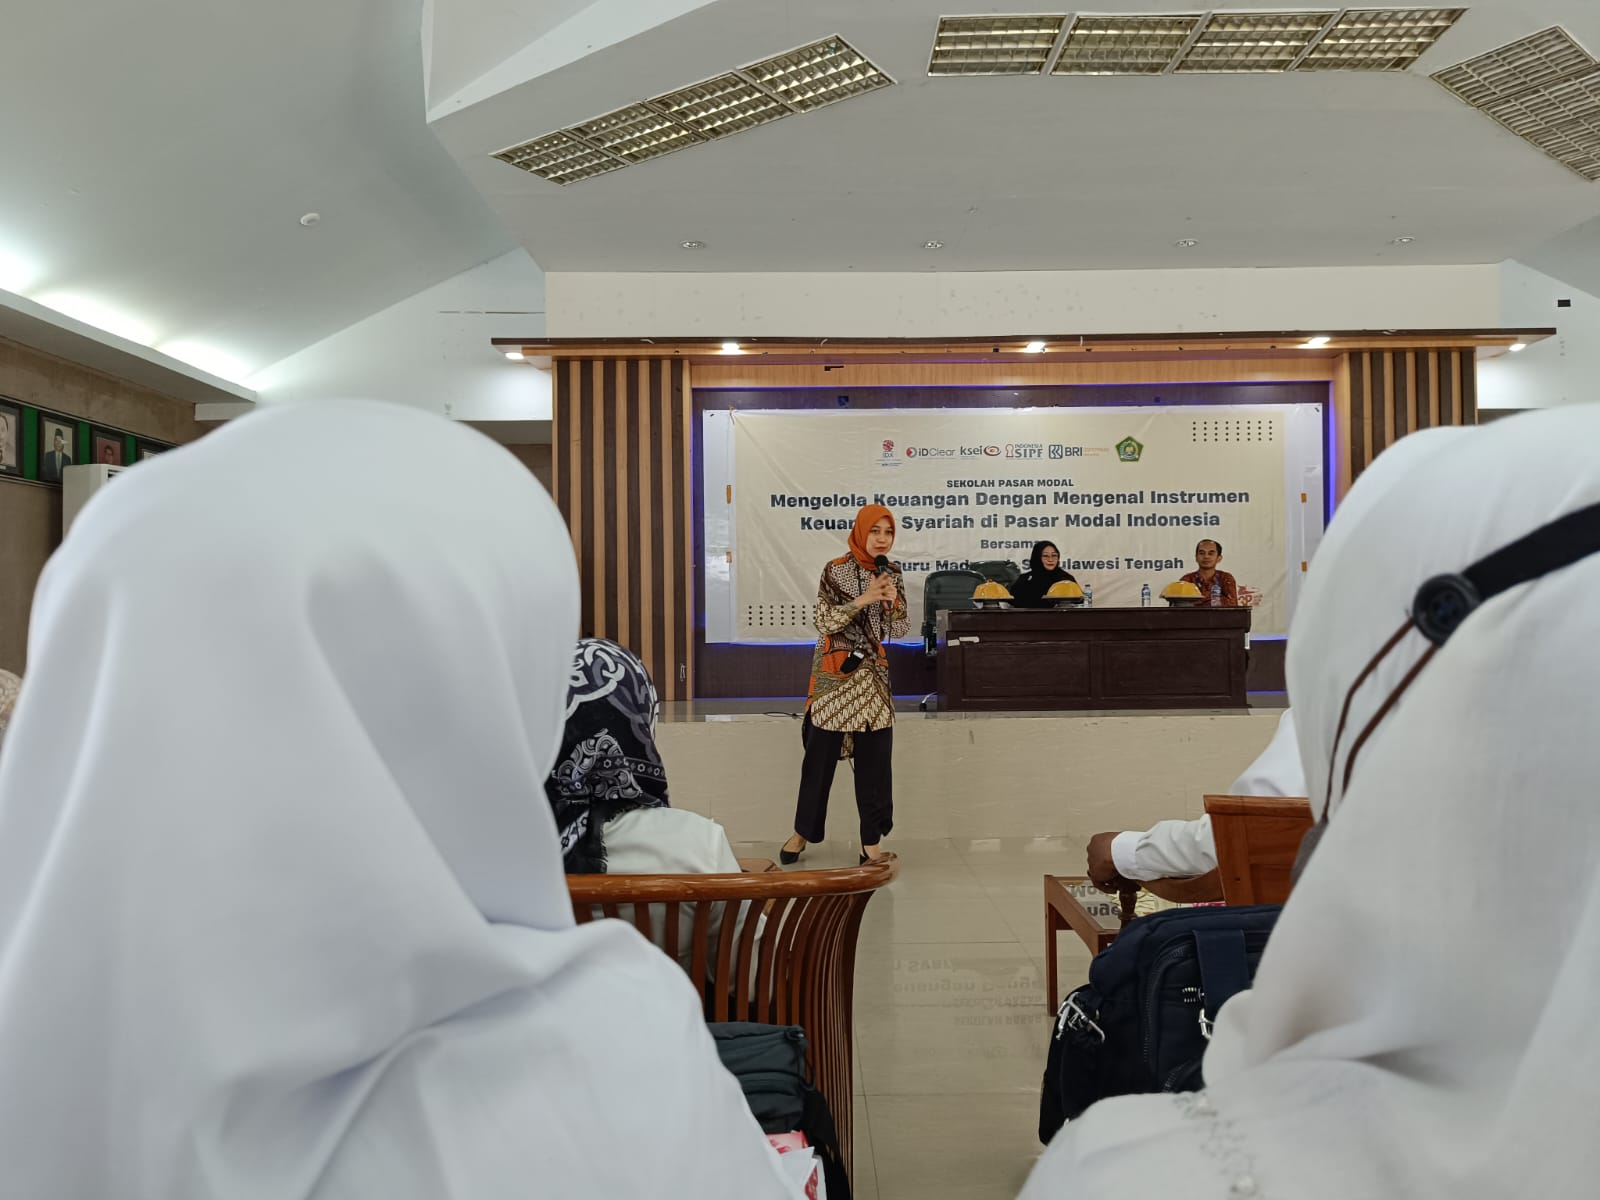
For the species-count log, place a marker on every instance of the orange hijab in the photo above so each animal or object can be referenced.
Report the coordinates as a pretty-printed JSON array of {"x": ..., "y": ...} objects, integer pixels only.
[{"x": 865, "y": 520}]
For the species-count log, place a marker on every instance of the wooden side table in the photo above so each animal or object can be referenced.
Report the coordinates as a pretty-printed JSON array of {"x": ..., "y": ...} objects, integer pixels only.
[{"x": 1072, "y": 902}]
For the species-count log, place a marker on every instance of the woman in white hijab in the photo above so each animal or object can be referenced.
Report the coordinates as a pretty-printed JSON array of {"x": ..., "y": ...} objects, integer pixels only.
[
  {"x": 1422, "y": 1023},
  {"x": 282, "y": 912}
]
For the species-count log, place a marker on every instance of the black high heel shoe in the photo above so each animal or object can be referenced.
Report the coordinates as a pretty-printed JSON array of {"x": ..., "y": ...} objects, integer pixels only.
[{"x": 789, "y": 857}]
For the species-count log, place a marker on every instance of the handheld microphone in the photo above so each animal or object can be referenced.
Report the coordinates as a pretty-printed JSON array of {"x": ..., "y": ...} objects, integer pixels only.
[{"x": 881, "y": 564}]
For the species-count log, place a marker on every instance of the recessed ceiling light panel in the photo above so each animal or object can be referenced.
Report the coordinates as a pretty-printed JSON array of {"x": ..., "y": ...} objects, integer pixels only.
[
  {"x": 994, "y": 45},
  {"x": 560, "y": 158},
  {"x": 1124, "y": 45},
  {"x": 1379, "y": 39},
  {"x": 817, "y": 75},
  {"x": 1253, "y": 42},
  {"x": 1545, "y": 89},
  {"x": 1531, "y": 62},
  {"x": 720, "y": 106},
  {"x": 637, "y": 133}
]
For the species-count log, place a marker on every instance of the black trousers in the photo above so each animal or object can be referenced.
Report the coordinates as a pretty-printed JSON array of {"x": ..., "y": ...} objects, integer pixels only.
[{"x": 874, "y": 782}]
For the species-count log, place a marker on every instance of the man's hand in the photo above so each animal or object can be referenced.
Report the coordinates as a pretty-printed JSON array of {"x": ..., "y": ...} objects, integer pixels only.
[{"x": 1102, "y": 869}]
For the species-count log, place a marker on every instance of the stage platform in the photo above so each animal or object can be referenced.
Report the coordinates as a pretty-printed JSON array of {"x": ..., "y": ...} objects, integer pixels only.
[{"x": 968, "y": 775}]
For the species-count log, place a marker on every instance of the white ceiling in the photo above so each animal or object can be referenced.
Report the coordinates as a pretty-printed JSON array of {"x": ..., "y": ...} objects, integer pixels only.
[
  {"x": 1019, "y": 173},
  {"x": 158, "y": 157}
]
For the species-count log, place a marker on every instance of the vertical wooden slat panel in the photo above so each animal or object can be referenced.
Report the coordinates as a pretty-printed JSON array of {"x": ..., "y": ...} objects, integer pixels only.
[
  {"x": 610, "y": 440},
  {"x": 586, "y": 531},
  {"x": 660, "y": 520},
  {"x": 1469, "y": 387},
  {"x": 650, "y": 531},
  {"x": 1360, "y": 382},
  {"x": 596, "y": 452},
  {"x": 1405, "y": 413},
  {"x": 628, "y": 461},
  {"x": 1449, "y": 388},
  {"x": 691, "y": 569},
  {"x": 1382, "y": 402},
  {"x": 1340, "y": 426},
  {"x": 683, "y": 610},
  {"x": 669, "y": 539},
  {"x": 1428, "y": 389}
]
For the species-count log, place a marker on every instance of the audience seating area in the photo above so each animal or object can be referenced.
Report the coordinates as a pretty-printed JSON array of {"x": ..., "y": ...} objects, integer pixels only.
[{"x": 800, "y": 960}]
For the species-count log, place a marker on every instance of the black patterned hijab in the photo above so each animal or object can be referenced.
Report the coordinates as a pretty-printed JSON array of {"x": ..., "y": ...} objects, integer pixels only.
[{"x": 608, "y": 764}]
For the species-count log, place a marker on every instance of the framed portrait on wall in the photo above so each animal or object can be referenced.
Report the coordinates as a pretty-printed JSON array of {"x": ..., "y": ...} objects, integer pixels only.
[
  {"x": 10, "y": 437},
  {"x": 144, "y": 449},
  {"x": 106, "y": 447},
  {"x": 58, "y": 445}
]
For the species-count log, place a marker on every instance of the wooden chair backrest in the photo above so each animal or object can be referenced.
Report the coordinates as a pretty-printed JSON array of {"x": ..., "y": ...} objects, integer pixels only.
[
  {"x": 801, "y": 971},
  {"x": 1257, "y": 839}
]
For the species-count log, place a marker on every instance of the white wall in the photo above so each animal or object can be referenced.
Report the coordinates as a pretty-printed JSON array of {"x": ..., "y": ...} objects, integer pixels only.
[
  {"x": 1021, "y": 302},
  {"x": 1564, "y": 369},
  {"x": 432, "y": 350}
]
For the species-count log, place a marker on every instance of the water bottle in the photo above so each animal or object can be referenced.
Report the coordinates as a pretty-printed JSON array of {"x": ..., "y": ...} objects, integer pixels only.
[
  {"x": 1144, "y": 596},
  {"x": 1216, "y": 593},
  {"x": 1088, "y": 595}
]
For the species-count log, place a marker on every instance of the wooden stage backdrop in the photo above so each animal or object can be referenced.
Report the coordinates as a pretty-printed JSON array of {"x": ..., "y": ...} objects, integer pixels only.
[{"x": 625, "y": 463}]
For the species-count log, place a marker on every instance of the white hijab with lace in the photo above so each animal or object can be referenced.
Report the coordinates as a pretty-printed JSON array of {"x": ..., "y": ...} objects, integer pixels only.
[
  {"x": 282, "y": 913},
  {"x": 1422, "y": 1022}
]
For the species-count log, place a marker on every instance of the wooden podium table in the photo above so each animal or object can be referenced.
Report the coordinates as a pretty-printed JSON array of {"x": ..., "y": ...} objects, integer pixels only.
[{"x": 1043, "y": 659}]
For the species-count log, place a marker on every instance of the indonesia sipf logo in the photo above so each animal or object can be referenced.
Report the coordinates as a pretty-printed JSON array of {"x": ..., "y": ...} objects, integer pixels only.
[{"x": 1129, "y": 449}]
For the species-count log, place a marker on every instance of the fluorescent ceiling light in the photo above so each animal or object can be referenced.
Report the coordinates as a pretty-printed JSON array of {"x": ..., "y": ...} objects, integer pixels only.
[
  {"x": 727, "y": 104},
  {"x": 561, "y": 158},
  {"x": 1532, "y": 62},
  {"x": 1252, "y": 42},
  {"x": 1033, "y": 348},
  {"x": 101, "y": 316},
  {"x": 208, "y": 358},
  {"x": 1517, "y": 347},
  {"x": 1133, "y": 45},
  {"x": 994, "y": 45},
  {"x": 730, "y": 347},
  {"x": 514, "y": 355},
  {"x": 801, "y": 80},
  {"x": 636, "y": 133},
  {"x": 1315, "y": 343},
  {"x": 1544, "y": 88},
  {"x": 1379, "y": 39},
  {"x": 817, "y": 75}
]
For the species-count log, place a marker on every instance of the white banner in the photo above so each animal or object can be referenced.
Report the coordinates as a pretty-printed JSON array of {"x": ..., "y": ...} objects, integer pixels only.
[{"x": 1124, "y": 492}]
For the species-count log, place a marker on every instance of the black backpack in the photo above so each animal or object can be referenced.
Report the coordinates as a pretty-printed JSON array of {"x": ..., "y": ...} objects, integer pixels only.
[
  {"x": 769, "y": 1061},
  {"x": 1142, "y": 1021}
]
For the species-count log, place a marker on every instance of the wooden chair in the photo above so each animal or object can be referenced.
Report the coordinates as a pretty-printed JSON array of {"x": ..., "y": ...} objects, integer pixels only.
[
  {"x": 802, "y": 968},
  {"x": 1257, "y": 840}
]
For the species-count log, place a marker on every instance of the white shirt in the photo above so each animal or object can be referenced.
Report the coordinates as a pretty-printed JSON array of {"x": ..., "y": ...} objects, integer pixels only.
[
  {"x": 672, "y": 841},
  {"x": 1179, "y": 849}
]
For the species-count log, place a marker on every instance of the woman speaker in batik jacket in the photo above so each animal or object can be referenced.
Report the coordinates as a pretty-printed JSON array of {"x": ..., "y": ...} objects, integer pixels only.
[{"x": 861, "y": 605}]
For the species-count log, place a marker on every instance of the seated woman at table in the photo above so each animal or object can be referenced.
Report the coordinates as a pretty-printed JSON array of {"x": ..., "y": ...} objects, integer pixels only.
[{"x": 1044, "y": 571}]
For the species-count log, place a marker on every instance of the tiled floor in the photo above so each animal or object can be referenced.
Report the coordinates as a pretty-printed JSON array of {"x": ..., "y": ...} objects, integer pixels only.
[{"x": 951, "y": 1024}]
